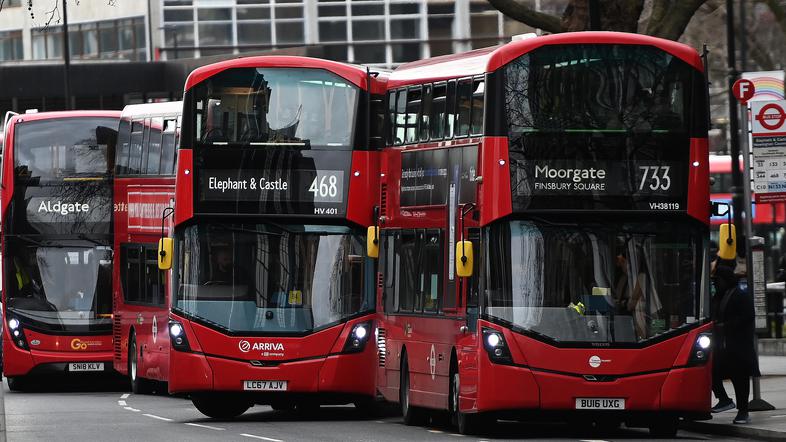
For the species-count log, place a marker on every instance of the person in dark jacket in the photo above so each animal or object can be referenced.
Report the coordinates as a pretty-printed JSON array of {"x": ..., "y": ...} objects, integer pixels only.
[{"x": 734, "y": 355}]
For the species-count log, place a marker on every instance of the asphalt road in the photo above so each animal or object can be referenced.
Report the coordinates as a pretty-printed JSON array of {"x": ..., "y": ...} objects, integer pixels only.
[{"x": 89, "y": 411}]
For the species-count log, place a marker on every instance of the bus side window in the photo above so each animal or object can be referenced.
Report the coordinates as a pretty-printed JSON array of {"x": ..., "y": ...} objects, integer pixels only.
[
  {"x": 478, "y": 95},
  {"x": 154, "y": 146},
  {"x": 391, "y": 123},
  {"x": 168, "y": 148},
  {"x": 145, "y": 146},
  {"x": 463, "y": 107},
  {"x": 450, "y": 109},
  {"x": 438, "y": 112},
  {"x": 389, "y": 269},
  {"x": 431, "y": 271},
  {"x": 123, "y": 147},
  {"x": 473, "y": 282},
  {"x": 135, "y": 148},
  {"x": 425, "y": 113},
  {"x": 401, "y": 117},
  {"x": 407, "y": 271},
  {"x": 413, "y": 114}
]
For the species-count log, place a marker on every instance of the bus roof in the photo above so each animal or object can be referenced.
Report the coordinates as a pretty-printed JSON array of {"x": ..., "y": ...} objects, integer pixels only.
[
  {"x": 37, "y": 116},
  {"x": 164, "y": 109},
  {"x": 722, "y": 163},
  {"x": 353, "y": 73},
  {"x": 481, "y": 61}
]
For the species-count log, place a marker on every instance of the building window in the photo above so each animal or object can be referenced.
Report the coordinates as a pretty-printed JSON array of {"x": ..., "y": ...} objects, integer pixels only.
[
  {"x": 11, "y": 46},
  {"x": 109, "y": 39}
]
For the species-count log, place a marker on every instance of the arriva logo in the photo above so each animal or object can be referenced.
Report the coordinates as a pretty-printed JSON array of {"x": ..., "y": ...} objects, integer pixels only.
[{"x": 246, "y": 346}]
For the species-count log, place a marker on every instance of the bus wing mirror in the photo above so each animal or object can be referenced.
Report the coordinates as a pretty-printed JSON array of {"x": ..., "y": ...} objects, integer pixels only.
[
  {"x": 165, "y": 252},
  {"x": 372, "y": 242},
  {"x": 727, "y": 244},
  {"x": 720, "y": 209},
  {"x": 464, "y": 261}
]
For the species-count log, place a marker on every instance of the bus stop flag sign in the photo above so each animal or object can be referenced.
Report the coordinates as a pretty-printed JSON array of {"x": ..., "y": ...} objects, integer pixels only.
[{"x": 768, "y": 130}]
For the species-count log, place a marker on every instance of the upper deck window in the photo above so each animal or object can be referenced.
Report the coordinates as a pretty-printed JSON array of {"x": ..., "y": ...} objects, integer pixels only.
[
  {"x": 598, "y": 88},
  {"x": 261, "y": 106},
  {"x": 65, "y": 147}
]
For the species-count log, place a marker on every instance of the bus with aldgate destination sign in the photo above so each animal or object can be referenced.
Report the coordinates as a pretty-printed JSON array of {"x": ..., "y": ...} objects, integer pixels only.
[
  {"x": 544, "y": 226},
  {"x": 57, "y": 243},
  {"x": 272, "y": 295}
]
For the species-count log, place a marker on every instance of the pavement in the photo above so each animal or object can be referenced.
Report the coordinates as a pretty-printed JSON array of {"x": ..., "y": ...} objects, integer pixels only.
[{"x": 765, "y": 425}]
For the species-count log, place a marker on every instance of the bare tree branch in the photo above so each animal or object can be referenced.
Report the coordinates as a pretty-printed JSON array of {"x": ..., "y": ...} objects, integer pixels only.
[
  {"x": 673, "y": 21},
  {"x": 517, "y": 10},
  {"x": 779, "y": 12}
]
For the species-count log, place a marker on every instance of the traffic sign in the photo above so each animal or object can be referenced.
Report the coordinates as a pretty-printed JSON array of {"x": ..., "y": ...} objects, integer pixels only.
[
  {"x": 743, "y": 90},
  {"x": 768, "y": 117}
]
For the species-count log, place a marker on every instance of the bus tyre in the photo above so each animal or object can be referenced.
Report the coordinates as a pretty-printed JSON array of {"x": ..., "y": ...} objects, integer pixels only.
[
  {"x": 16, "y": 383},
  {"x": 412, "y": 415},
  {"x": 220, "y": 407},
  {"x": 466, "y": 423},
  {"x": 138, "y": 385},
  {"x": 665, "y": 428}
]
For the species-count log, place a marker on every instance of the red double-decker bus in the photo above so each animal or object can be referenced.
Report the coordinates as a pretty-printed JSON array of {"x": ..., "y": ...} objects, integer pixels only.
[
  {"x": 57, "y": 245},
  {"x": 273, "y": 294},
  {"x": 144, "y": 186},
  {"x": 544, "y": 211}
]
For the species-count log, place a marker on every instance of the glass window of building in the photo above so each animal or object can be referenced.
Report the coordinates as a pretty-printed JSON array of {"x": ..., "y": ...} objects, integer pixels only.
[{"x": 11, "y": 46}]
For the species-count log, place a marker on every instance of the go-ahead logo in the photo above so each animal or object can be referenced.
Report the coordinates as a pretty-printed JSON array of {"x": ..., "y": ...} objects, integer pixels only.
[
  {"x": 78, "y": 344},
  {"x": 595, "y": 361}
]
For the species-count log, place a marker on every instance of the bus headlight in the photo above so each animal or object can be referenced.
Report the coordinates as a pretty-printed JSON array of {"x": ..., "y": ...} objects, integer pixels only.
[
  {"x": 177, "y": 336},
  {"x": 17, "y": 334},
  {"x": 358, "y": 337},
  {"x": 702, "y": 348},
  {"x": 496, "y": 347}
]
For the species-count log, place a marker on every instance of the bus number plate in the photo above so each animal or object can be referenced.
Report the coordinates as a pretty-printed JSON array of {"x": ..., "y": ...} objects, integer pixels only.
[
  {"x": 265, "y": 385},
  {"x": 86, "y": 366},
  {"x": 600, "y": 404}
]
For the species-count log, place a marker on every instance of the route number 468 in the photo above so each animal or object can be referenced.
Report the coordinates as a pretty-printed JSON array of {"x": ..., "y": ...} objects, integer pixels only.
[
  {"x": 655, "y": 177},
  {"x": 325, "y": 186}
]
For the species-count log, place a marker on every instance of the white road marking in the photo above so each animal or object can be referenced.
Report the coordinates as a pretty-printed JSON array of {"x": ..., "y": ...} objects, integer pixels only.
[
  {"x": 778, "y": 415},
  {"x": 380, "y": 422},
  {"x": 435, "y": 431},
  {"x": 205, "y": 426},
  {"x": 456, "y": 434},
  {"x": 252, "y": 436},
  {"x": 131, "y": 409},
  {"x": 158, "y": 417},
  {"x": 125, "y": 396},
  {"x": 122, "y": 403}
]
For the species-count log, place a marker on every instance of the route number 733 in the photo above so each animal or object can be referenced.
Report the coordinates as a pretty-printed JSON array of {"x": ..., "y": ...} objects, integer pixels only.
[{"x": 655, "y": 177}]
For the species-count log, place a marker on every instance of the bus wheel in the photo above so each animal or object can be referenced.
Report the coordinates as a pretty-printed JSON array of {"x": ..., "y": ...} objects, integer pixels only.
[
  {"x": 219, "y": 406},
  {"x": 16, "y": 383},
  {"x": 138, "y": 385},
  {"x": 665, "y": 428},
  {"x": 412, "y": 415},
  {"x": 466, "y": 423}
]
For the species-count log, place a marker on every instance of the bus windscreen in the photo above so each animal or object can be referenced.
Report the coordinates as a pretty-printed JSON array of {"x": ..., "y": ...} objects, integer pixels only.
[
  {"x": 54, "y": 149},
  {"x": 256, "y": 278},
  {"x": 260, "y": 106},
  {"x": 613, "y": 283}
]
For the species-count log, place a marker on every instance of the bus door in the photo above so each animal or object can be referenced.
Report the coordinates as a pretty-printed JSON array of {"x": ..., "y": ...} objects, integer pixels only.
[{"x": 462, "y": 196}]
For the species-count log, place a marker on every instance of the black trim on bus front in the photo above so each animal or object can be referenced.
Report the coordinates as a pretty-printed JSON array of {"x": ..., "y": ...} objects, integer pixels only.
[
  {"x": 597, "y": 345},
  {"x": 32, "y": 325},
  {"x": 246, "y": 334}
]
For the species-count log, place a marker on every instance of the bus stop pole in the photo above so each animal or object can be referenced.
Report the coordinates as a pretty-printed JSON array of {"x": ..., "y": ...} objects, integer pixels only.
[{"x": 755, "y": 274}]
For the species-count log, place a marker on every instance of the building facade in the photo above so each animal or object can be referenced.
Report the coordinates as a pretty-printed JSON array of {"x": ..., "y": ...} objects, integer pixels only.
[{"x": 374, "y": 32}]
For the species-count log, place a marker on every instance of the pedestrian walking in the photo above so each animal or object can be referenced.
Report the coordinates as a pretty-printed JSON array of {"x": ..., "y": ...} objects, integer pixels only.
[{"x": 735, "y": 354}]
